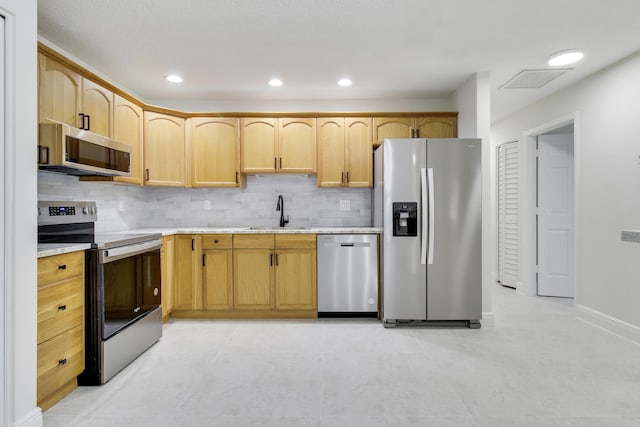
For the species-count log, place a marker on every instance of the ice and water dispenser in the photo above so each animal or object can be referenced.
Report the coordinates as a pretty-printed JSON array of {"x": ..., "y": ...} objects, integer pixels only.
[{"x": 405, "y": 219}]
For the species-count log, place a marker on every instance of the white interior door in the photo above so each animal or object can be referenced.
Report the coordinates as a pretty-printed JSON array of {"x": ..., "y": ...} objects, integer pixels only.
[
  {"x": 555, "y": 215},
  {"x": 508, "y": 200},
  {"x": 2, "y": 218}
]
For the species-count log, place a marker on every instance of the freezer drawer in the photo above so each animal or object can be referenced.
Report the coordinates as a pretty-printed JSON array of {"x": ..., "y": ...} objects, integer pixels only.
[{"x": 347, "y": 273}]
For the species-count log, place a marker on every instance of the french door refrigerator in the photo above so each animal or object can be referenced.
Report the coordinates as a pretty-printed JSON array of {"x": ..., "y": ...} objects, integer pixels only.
[{"x": 427, "y": 199}]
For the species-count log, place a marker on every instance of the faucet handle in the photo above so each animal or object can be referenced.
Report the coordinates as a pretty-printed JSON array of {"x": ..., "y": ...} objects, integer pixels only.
[{"x": 286, "y": 221}]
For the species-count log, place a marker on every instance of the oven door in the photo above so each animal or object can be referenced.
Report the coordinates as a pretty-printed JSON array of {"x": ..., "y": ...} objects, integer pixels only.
[{"x": 131, "y": 283}]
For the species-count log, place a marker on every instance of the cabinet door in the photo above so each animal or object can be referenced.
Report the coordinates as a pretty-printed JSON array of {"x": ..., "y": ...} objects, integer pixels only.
[
  {"x": 59, "y": 92},
  {"x": 437, "y": 127},
  {"x": 184, "y": 293},
  {"x": 127, "y": 128},
  {"x": 217, "y": 280},
  {"x": 331, "y": 152},
  {"x": 297, "y": 145},
  {"x": 97, "y": 104},
  {"x": 215, "y": 152},
  {"x": 167, "y": 263},
  {"x": 258, "y": 145},
  {"x": 359, "y": 156},
  {"x": 164, "y": 150},
  {"x": 296, "y": 279},
  {"x": 391, "y": 127},
  {"x": 253, "y": 279}
]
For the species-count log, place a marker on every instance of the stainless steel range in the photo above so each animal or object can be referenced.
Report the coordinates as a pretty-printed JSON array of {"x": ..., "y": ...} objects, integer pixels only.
[{"x": 122, "y": 287}]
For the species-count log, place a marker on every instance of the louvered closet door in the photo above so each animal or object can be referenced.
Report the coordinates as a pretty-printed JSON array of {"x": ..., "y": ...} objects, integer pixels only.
[{"x": 508, "y": 244}]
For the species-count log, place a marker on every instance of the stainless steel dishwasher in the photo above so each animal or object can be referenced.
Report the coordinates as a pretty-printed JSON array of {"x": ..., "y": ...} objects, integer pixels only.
[{"x": 347, "y": 273}]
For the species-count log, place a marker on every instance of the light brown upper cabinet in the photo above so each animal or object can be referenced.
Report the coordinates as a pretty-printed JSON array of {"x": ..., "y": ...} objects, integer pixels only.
[
  {"x": 286, "y": 145},
  {"x": 97, "y": 108},
  {"x": 436, "y": 127},
  {"x": 432, "y": 126},
  {"x": 391, "y": 127},
  {"x": 215, "y": 152},
  {"x": 59, "y": 92},
  {"x": 66, "y": 97},
  {"x": 297, "y": 145},
  {"x": 127, "y": 128},
  {"x": 164, "y": 147},
  {"x": 345, "y": 152},
  {"x": 259, "y": 142}
]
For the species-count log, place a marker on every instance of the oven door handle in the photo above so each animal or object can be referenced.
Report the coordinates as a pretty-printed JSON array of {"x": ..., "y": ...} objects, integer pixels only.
[{"x": 108, "y": 255}]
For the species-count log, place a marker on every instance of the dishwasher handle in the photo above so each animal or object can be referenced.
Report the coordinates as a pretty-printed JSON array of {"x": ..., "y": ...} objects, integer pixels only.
[{"x": 347, "y": 244}]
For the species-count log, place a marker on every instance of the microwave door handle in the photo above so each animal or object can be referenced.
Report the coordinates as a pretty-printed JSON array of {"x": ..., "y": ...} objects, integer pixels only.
[
  {"x": 425, "y": 217},
  {"x": 432, "y": 217}
]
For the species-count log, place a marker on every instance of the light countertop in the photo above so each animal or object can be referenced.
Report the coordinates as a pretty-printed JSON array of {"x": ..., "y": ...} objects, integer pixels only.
[
  {"x": 49, "y": 249},
  {"x": 258, "y": 230}
]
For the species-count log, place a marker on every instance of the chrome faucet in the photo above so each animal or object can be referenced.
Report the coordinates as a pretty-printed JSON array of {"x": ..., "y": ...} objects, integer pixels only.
[{"x": 280, "y": 208}]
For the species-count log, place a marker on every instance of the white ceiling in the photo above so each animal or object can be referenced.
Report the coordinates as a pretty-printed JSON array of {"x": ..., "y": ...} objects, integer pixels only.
[{"x": 391, "y": 49}]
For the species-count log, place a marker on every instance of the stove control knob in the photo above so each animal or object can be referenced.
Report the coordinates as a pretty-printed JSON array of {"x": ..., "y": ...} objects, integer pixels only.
[
  {"x": 94, "y": 210},
  {"x": 85, "y": 210}
]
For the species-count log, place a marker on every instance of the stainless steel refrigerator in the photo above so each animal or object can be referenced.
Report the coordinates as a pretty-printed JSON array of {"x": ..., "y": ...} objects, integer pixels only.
[{"x": 427, "y": 199}]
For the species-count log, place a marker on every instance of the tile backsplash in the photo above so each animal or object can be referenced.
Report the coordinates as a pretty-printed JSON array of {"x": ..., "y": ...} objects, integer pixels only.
[{"x": 123, "y": 207}]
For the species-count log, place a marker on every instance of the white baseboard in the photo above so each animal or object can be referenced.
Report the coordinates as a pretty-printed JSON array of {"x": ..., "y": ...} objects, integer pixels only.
[
  {"x": 488, "y": 320},
  {"x": 610, "y": 324},
  {"x": 32, "y": 419}
]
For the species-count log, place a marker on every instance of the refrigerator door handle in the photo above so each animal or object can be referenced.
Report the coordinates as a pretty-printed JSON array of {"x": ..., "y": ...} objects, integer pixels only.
[
  {"x": 425, "y": 217},
  {"x": 432, "y": 219}
]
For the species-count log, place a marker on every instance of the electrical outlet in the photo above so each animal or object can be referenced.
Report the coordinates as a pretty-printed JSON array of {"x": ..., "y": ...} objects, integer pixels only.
[
  {"x": 121, "y": 205},
  {"x": 345, "y": 205},
  {"x": 207, "y": 205}
]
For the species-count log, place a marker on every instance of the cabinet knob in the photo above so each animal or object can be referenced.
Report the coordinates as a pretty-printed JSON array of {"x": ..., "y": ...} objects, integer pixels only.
[
  {"x": 62, "y": 307},
  {"x": 62, "y": 361},
  {"x": 62, "y": 267},
  {"x": 215, "y": 241}
]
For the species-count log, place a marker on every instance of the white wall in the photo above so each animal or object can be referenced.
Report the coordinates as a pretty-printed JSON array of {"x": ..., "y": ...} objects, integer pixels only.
[
  {"x": 472, "y": 101},
  {"x": 607, "y": 183},
  {"x": 20, "y": 309}
]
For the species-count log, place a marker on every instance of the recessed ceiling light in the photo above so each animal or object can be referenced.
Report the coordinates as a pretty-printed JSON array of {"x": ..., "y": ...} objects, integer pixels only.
[
  {"x": 344, "y": 82},
  {"x": 275, "y": 82},
  {"x": 565, "y": 57},
  {"x": 174, "y": 78}
]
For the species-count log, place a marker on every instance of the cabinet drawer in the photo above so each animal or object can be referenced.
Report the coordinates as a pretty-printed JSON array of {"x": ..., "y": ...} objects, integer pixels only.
[
  {"x": 60, "y": 307},
  {"x": 60, "y": 267},
  {"x": 253, "y": 241},
  {"x": 60, "y": 360},
  {"x": 305, "y": 241},
  {"x": 217, "y": 241}
]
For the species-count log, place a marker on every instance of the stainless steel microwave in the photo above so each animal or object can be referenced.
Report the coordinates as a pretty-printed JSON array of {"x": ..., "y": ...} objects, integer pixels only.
[{"x": 65, "y": 149}]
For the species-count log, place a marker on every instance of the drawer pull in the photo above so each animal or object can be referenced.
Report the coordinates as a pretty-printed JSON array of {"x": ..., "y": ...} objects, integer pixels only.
[
  {"x": 62, "y": 361},
  {"x": 215, "y": 241},
  {"x": 62, "y": 267},
  {"x": 62, "y": 307}
]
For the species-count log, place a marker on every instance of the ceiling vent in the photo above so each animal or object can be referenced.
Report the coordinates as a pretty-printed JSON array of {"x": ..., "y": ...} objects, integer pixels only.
[{"x": 533, "y": 79}]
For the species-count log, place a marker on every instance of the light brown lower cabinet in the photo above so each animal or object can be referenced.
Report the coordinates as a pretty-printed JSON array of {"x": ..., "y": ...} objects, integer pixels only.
[
  {"x": 245, "y": 275},
  {"x": 217, "y": 279},
  {"x": 167, "y": 274},
  {"x": 295, "y": 259},
  {"x": 60, "y": 326}
]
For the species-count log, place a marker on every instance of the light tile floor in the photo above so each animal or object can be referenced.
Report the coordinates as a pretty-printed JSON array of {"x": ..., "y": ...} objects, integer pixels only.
[{"x": 539, "y": 366}]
